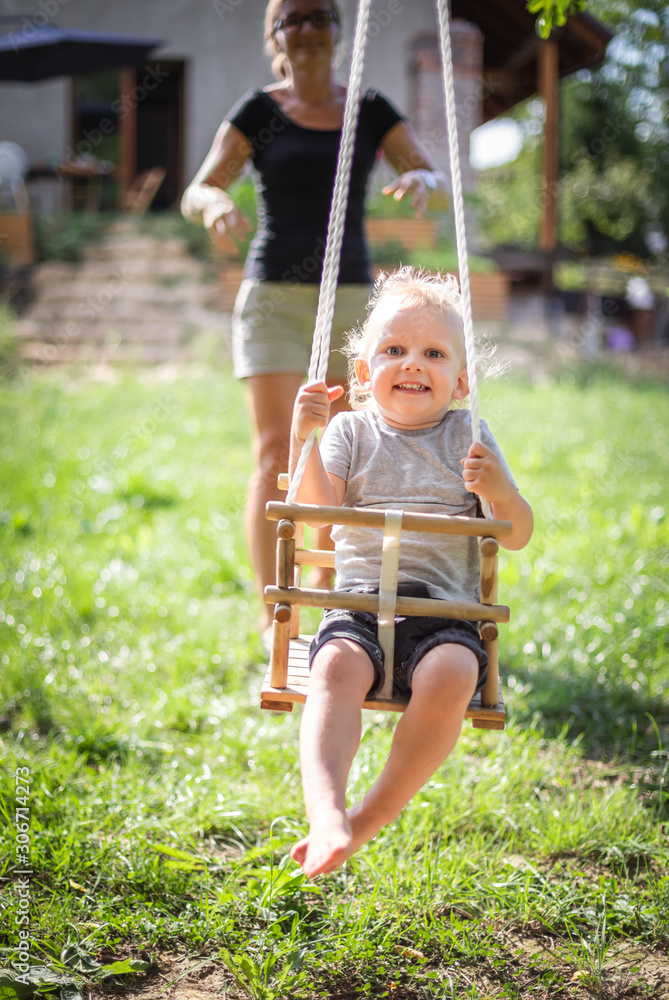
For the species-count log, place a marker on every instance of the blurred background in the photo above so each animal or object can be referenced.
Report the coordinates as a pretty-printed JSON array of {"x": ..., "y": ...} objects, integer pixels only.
[
  {"x": 564, "y": 143},
  {"x": 162, "y": 800}
]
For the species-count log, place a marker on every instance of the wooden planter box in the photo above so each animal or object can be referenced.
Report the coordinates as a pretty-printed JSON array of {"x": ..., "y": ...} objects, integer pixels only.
[
  {"x": 490, "y": 295},
  {"x": 16, "y": 238},
  {"x": 411, "y": 233}
]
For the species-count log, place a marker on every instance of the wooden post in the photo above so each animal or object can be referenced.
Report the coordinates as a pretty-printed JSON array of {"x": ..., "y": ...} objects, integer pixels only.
[
  {"x": 285, "y": 575},
  {"x": 489, "y": 549},
  {"x": 127, "y": 131},
  {"x": 285, "y": 554},
  {"x": 297, "y": 578},
  {"x": 548, "y": 65},
  {"x": 279, "y": 655}
]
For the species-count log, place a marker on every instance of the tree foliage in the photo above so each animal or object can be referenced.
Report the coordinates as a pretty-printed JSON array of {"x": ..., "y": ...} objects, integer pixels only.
[
  {"x": 613, "y": 192},
  {"x": 553, "y": 13}
]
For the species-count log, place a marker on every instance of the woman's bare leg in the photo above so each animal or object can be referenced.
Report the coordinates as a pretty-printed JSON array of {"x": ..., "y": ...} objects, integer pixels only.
[
  {"x": 270, "y": 400},
  {"x": 442, "y": 687},
  {"x": 341, "y": 675}
]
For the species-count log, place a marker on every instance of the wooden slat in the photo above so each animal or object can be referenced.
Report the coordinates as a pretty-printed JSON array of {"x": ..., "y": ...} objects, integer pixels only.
[
  {"x": 425, "y": 606},
  {"x": 280, "y": 651},
  {"x": 439, "y": 524},
  {"x": 297, "y": 687},
  {"x": 315, "y": 557},
  {"x": 489, "y": 549}
]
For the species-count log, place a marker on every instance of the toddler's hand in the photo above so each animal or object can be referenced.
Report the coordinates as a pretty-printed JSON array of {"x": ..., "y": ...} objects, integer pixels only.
[
  {"x": 312, "y": 407},
  {"x": 484, "y": 475}
]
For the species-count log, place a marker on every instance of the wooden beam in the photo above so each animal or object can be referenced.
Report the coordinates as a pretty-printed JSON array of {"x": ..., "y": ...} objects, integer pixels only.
[
  {"x": 127, "y": 131},
  {"x": 548, "y": 89},
  {"x": 372, "y": 517},
  {"x": 426, "y": 607},
  {"x": 522, "y": 55}
]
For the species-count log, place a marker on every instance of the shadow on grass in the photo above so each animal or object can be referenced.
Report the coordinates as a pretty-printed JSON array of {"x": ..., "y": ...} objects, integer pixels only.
[{"x": 612, "y": 723}]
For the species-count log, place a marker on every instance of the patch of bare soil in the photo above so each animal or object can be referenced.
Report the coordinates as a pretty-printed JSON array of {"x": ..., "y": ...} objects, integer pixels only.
[
  {"x": 187, "y": 977},
  {"x": 524, "y": 962}
]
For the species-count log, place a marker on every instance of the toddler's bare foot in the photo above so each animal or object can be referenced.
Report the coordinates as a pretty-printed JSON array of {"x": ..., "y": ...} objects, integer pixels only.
[
  {"x": 327, "y": 846},
  {"x": 365, "y": 824}
]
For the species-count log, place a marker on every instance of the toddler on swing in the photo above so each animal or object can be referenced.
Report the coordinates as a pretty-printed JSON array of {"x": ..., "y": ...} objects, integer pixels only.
[{"x": 402, "y": 447}]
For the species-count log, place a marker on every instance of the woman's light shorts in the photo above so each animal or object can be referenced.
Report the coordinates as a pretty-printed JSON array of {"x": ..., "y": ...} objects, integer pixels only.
[{"x": 273, "y": 326}]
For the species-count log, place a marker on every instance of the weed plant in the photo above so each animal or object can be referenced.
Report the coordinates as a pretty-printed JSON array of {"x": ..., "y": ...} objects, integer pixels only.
[
  {"x": 163, "y": 801},
  {"x": 64, "y": 236}
]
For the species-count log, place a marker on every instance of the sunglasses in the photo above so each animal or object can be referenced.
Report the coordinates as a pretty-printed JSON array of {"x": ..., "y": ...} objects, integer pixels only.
[{"x": 318, "y": 19}]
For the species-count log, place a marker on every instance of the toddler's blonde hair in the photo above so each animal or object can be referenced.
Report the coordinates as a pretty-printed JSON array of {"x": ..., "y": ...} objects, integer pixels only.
[{"x": 410, "y": 286}]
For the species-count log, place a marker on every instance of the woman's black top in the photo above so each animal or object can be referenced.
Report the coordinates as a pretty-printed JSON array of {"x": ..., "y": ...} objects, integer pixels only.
[{"x": 294, "y": 177}]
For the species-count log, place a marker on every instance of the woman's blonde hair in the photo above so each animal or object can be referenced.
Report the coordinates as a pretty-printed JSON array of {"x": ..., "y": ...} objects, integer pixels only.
[
  {"x": 272, "y": 12},
  {"x": 412, "y": 287}
]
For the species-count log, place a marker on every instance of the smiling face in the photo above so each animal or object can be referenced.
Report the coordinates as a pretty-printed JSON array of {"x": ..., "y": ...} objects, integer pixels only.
[
  {"x": 415, "y": 364},
  {"x": 307, "y": 43}
]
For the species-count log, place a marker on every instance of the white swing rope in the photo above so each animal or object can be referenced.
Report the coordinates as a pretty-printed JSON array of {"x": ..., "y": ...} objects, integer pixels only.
[
  {"x": 320, "y": 351},
  {"x": 459, "y": 213},
  {"x": 326, "y": 302}
]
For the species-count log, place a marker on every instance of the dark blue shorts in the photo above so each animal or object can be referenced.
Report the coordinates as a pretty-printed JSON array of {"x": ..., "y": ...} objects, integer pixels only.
[{"x": 414, "y": 637}]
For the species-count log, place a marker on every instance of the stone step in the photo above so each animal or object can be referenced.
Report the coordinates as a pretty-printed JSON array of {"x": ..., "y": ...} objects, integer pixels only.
[
  {"x": 153, "y": 253},
  {"x": 100, "y": 310},
  {"x": 169, "y": 244},
  {"x": 89, "y": 354},
  {"x": 52, "y": 272},
  {"x": 133, "y": 265},
  {"x": 96, "y": 296},
  {"x": 120, "y": 245},
  {"x": 96, "y": 333},
  {"x": 132, "y": 298},
  {"x": 169, "y": 268},
  {"x": 75, "y": 281}
]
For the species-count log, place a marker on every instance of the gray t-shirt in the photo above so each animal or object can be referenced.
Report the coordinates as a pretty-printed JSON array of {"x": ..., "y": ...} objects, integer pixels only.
[{"x": 408, "y": 470}]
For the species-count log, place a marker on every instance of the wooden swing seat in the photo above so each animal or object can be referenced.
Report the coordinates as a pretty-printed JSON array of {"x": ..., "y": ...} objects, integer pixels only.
[
  {"x": 287, "y": 679},
  {"x": 297, "y": 687}
]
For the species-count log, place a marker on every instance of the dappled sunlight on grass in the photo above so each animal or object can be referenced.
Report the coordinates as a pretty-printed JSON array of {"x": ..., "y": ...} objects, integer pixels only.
[{"x": 164, "y": 801}]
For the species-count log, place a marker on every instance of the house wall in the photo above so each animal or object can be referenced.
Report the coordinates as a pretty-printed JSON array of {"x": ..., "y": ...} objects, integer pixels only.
[{"x": 221, "y": 43}]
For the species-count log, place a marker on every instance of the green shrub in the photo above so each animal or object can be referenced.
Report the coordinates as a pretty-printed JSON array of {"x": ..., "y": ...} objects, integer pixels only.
[
  {"x": 441, "y": 258},
  {"x": 9, "y": 346},
  {"x": 382, "y": 206},
  {"x": 64, "y": 236},
  {"x": 445, "y": 258}
]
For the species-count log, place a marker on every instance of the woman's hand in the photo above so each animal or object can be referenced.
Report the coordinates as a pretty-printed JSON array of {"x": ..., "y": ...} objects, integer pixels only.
[
  {"x": 312, "y": 408},
  {"x": 223, "y": 221},
  {"x": 206, "y": 200},
  {"x": 416, "y": 183}
]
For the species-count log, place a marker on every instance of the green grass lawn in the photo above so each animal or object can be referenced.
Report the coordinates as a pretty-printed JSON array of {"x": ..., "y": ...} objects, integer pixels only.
[{"x": 163, "y": 801}]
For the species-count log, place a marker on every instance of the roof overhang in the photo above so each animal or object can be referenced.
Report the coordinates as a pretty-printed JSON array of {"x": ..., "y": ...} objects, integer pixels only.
[{"x": 511, "y": 46}]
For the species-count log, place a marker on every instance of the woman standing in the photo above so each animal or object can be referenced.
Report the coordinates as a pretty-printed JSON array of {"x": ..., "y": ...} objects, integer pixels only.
[{"x": 290, "y": 132}]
